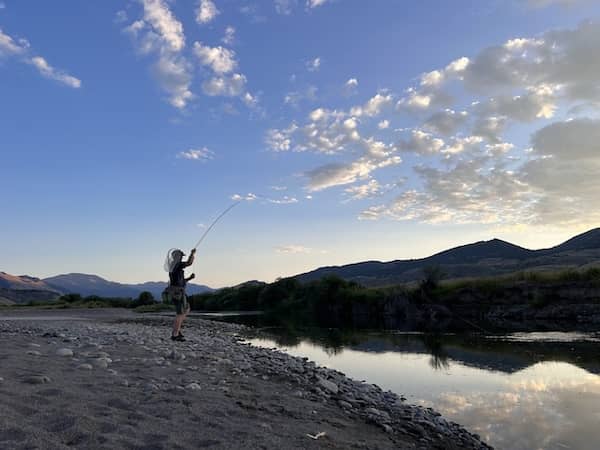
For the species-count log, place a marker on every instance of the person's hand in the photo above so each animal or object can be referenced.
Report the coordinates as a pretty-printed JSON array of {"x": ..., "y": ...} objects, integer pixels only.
[
  {"x": 193, "y": 251},
  {"x": 192, "y": 276}
]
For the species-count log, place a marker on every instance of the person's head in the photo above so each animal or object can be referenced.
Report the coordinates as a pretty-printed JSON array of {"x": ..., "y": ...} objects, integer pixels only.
[{"x": 177, "y": 255}]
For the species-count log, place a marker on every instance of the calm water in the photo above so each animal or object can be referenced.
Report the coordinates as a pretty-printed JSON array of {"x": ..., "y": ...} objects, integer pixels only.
[{"x": 517, "y": 391}]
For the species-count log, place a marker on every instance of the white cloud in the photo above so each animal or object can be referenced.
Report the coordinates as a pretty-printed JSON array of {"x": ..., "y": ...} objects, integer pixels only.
[
  {"x": 315, "y": 3},
  {"x": 21, "y": 49},
  {"x": 121, "y": 16},
  {"x": 293, "y": 249},
  {"x": 384, "y": 124},
  {"x": 350, "y": 87},
  {"x": 374, "y": 106},
  {"x": 285, "y": 200},
  {"x": 228, "y": 86},
  {"x": 229, "y": 37},
  {"x": 280, "y": 140},
  {"x": 369, "y": 190},
  {"x": 249, "y": 197},
  {"x": 50, "y": 72},
  {"x": 313, "y": 65},
  {"x": 546, "y": 3},
  {"x": 206, "y": 12},
  {"x": 9, "y": 47},
  {"x": 160, "y": 33},
  {"x": 201, "y": 154},
  {"x": 164, "y": 23},
  {"x": 285, "y": 7},
  {"x": 337, "y": 174},
  {"x": 221, "y": 60},
  {"x": 294, "y": 98}
]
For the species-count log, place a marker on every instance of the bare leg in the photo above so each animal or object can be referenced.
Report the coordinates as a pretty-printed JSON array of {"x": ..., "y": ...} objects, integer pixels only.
[{"x": 177, "y": 324}]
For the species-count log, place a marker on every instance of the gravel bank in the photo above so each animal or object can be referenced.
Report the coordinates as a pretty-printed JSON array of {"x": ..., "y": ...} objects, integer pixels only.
[{"x": 112, "y": 379}]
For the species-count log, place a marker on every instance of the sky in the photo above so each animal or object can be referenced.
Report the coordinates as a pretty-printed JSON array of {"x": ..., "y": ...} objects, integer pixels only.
[{"x": 347, "y": 130}]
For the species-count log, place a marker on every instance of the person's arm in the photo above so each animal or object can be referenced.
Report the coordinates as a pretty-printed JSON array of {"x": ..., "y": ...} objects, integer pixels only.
[
  {"x": 191, "y": 277},
  {"x": 190, "y": 260}
]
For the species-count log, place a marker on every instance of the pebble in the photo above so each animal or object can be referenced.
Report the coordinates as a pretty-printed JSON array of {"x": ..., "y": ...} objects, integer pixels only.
[
  {"x": 193, "y": 387},
  {"x": 85, "y": 366},
  {"x": 64, "y": 352},
  {"x": 36, "y": 379},
  {"x": 34, "y": 353},
  {"x": 329, "y": 386}
]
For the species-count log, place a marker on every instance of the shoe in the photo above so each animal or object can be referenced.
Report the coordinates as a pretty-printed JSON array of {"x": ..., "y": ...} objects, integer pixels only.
[
  {"x": 179, "y": 338},
  {"x": 173, "y": 338}
]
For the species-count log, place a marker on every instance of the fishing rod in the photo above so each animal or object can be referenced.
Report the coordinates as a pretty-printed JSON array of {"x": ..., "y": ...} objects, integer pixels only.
[{"x": 229, "y": 208}]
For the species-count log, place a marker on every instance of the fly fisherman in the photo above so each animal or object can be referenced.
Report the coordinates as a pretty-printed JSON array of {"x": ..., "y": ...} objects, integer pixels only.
[{"x": 176, "y": 289}]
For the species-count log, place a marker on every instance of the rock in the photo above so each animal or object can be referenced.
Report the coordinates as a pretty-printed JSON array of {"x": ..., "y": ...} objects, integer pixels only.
[
  {"x": 101, "y": 363},
  {"x": 64, "y": 352},
  {"x": 387, "y": 428},
  {"x": 344, "y": 404},
  {"x": 34, "y": 353},
  {"x": 36, "y": 379},
  {"x": 327, "y": 385},
  {"x": 34, "y": 345},
  {"x": 193, "y": 387},
  {"x": 85, "y": 366}
]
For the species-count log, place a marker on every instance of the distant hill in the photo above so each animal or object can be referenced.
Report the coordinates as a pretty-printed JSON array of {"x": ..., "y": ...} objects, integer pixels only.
[
  {"x": 22, "y": 289},
  {"x": 84, "y": 284},
  {"x": 480, "y": 259}
]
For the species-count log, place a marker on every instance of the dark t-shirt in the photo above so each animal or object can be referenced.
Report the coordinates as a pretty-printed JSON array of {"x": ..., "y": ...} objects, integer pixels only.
[{"x": 176, "y": 278}]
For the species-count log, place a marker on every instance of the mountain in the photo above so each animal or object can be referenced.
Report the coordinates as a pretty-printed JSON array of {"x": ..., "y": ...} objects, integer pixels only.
[
  {"x": 23, "y": 282},
  {"x": 21, "y": 289},
  {"x": 84, "y": 284},
  {"x": 480, "y": 259}
]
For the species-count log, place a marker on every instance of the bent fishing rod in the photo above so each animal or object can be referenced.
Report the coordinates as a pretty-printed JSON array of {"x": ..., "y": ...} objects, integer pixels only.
[{"x": 229, "y": 208}]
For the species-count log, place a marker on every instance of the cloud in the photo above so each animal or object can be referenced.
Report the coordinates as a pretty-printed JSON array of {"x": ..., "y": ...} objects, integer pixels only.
[
  {"x": 546, "y": 3},
  {"x": 292, "y": 249},
  {"x": 9, "y": 47},
  {"x": 220, "y": 60},
  {"x": 446, "y": 122},
  {"x": 564, "y": 172},
  {"x": 294, "y": 98},
  {"x": 350, "y": 87},
  {"x": 338, "y": 174},
  {"x": 315, "y": 3},
  {"x": 374, "y": 106},
  {"x": 384, "y": 124},
  {"x": 229, "y": 37},
  {"x": 202, "y": 154},
  {"x": 285, "y": 7},
  {"x": 161, "y": 34},
  {"x": 206, "y": 12},
  {"x": 369, "y": 190},
  {"x": 22, "y": 49},
  {"x": 313, "y": 65},
  {"x": 422, "y": 143},
  {"x": 285, "y": 200},
  {"x": 249, "y": 197},
  {"x": 280, "y": 140},
  {"x": 228, "y": 86},
  {"x": 50, "y": 72}
]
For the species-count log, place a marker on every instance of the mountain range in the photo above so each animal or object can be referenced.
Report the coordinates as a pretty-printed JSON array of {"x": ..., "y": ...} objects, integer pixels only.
[
  {"x": 19, "y": 289},
  {"x": 480, "y": 259}
]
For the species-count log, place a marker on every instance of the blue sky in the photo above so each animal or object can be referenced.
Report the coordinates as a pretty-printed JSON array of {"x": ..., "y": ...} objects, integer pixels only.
[{"x": 352, "y": 131}]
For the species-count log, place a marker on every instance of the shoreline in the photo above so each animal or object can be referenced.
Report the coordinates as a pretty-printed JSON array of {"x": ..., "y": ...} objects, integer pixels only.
[{"x": 123, "y": 384}]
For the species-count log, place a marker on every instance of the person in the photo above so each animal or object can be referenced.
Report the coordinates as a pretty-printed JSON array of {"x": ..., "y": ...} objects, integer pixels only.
[{"x": 177, "y": 282}]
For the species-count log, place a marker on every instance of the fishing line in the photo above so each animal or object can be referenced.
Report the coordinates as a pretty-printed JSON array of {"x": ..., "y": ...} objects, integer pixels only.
[{"x": 229, "y": 208}]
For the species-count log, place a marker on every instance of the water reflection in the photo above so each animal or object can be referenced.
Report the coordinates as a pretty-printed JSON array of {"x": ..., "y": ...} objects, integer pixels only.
[{"x": 530, "y": 391}]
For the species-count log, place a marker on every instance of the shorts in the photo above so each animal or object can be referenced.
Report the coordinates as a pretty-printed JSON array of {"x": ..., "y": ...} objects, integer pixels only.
[{"x": 177, "y": 296}]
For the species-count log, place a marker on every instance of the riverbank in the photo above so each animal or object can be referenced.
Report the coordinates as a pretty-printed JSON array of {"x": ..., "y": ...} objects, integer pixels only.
[{"x": 105, "y": 379}]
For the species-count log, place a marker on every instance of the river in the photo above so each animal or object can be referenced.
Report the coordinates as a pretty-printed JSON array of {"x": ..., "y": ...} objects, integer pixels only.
[{"x": 538, "y": 390}]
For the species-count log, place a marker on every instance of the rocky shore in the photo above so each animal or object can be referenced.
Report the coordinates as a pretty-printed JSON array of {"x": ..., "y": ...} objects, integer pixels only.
[{"x": 100, "y": 380}]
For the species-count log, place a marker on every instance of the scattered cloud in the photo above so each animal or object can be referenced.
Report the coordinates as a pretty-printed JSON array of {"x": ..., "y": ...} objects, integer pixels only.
[
  {"x": 229, "y": 37},
  {"x": 160, "y": 33},
  {"x": 292, "y": 249},
  {"x": 294, "y": 98},
  {"x": 285, "y": 200},
  {"x": 315, "y": 3},
  {"x": 228, "y": 85},
  {"x": 221, "y": 60},
  {"x": 207, "y": 11},
  {"x": 249, "y": 197},
  {"x": 202, "y": 154},
  {"x": 351, "y": 87},
  {"x": 22, "y": 50},
  {"x": 384, "y": 124},
  {"x": 285, "y": 7},
  {"x": 313, "y": 65}
]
